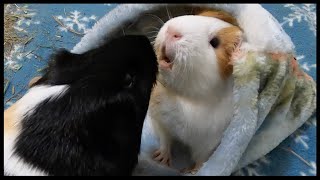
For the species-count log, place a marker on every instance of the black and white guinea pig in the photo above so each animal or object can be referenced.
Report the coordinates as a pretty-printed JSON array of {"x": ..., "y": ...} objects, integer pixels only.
[{"x": 84, "y": 116}]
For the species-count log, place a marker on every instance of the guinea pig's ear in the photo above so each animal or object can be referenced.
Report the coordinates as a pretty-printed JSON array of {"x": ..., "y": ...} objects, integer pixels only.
[{"x": 224, "y": 16}]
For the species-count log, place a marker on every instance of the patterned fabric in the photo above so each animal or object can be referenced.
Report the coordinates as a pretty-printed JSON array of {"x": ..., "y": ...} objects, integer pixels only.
[
  {"x": 286, "y": 98},
  {"x": 49, "y": 27}
]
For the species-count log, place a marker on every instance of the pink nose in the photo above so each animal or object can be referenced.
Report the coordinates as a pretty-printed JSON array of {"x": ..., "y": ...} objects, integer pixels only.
[{"x": 173, "y": 34}]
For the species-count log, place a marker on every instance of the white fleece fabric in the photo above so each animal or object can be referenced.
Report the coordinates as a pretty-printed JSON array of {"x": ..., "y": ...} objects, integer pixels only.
[{"x": 241, "y": 143}]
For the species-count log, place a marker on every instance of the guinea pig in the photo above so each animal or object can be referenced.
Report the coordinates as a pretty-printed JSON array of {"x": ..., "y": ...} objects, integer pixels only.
[
  {"x": 192, "y": 102},
  {"x": 84, "y": 116}
]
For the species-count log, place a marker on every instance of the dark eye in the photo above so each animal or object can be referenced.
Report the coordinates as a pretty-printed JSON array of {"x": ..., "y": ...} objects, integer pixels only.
[
  {"x": 128, "y": 80},
  {"x": 215, "y": 42}
]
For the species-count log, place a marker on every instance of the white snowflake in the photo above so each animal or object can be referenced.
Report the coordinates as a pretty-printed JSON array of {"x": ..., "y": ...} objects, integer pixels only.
[
  {"x": 251, "y": 170},
  {"x": 30, "y": 55},
  {"x": 70, "y": 25},
  {"x": 76, "y": 21},
  {"x": 312, "y": 170},
  {"x": 302, "y": 173},
  {"x": 307, "y": 67},
  {"x": 93, "y": 17},
  {"x": 85, "y": 19},
  {"x": 26, "y": 19},
  {"x": 302, "y": 139},
  {"x": 75, "y": 15},
  {"x": 247, "y": 171},
  {"x": 59, "y": 17},
  {"x": 20, "y": 29},
  {"x": 264, "y": 160},
  {"x": 63, "y": 29},
  {"x": 12, "y": 60},
  {"x": 313, "y": 122},
  {"x": 304, "y": 12},
  {"x": 300, "y": 57}
]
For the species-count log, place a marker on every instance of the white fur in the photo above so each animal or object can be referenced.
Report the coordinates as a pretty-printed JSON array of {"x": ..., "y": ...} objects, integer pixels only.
[
  {"x": 36, "y": 95},
  {"x": 195, "y": 70},
  {"x": 195, "y": 105},
  {"x": 13, "y": 164}
]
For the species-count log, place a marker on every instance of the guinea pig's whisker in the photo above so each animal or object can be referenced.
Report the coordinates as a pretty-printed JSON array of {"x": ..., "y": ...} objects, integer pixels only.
[
  {"x": 191, "y": 10},
  {"x": 153, "y": 27},
  {"x": 152, "y": 37},
  {"x": 158, "y": 18},
  {"x": 168, "y": 12},
  {"x": 152, "y": 32},
  {"x": 184, "y": 66},
  {"x": 191, "y": 67}
]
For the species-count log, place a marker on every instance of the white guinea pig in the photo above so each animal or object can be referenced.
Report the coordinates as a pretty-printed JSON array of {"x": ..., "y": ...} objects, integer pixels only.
[{"x": 193, "y": 101}]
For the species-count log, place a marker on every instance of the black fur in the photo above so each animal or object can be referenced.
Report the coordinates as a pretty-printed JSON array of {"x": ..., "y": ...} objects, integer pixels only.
[{"x": 95, "y": 127}]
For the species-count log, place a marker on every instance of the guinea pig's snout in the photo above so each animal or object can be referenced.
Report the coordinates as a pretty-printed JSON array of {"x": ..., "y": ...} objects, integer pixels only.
[
  {"x": 169, "y": 47},
  {"x": 172, "y": 34}
]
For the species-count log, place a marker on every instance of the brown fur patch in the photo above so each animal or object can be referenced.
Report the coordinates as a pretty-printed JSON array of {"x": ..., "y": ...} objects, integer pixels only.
[
  {"x": 224, "y": 16},
  {"x": 279, "y": 56},
  {"x": 229, "y": 38}
]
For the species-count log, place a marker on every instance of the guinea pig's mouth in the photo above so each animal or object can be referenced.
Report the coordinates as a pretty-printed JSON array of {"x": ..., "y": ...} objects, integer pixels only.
[{"x": 164, "y": 61}]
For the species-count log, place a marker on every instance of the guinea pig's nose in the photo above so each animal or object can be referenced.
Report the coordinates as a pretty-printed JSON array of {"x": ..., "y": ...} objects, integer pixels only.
[{"x": 173, "y": 34}]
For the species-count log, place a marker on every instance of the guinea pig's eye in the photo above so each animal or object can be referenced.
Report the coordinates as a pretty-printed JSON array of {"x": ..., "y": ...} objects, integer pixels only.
[
  {"x": 129, "y": 80},
  {"x": 215, "y": 42}
]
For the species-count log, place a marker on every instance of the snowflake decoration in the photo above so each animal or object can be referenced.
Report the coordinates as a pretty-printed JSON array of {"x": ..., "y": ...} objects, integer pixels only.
[
  {"x": 26, "y": 19},
  {"x": 75, "y": 21},
  {"x": 251, "y": 170},
  {"x": 312, "y": 170},
  {"x": 302, "y": 139},
  {"x": 305, "y": 12},
  {"x": 307, "y": 67},
  {"x": 313, "y": 122},
  {"x": 300, "y": 57},
  {"x": 16, "y": 54}
]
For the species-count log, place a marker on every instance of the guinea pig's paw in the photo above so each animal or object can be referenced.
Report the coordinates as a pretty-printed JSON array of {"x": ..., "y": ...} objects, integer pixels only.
[{"x": 162, "y": 156}]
